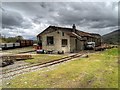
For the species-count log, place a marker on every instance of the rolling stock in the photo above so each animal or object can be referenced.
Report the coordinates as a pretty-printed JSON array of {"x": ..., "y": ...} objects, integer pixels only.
[{"x": 20, "y": 43}]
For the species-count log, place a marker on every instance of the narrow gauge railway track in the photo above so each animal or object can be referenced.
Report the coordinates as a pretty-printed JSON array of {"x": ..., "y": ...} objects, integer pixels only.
[
  {"x": 24, "y": 69},
  {"x": 30, "y": 51},
  {"x": 27, "y": 51}
]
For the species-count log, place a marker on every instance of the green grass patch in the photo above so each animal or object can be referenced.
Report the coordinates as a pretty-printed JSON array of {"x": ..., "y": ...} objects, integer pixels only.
[
  {"x": 19, "y": 50},
  {"x": 41, "y": 58},
  {"x": 99, "y": 70}
]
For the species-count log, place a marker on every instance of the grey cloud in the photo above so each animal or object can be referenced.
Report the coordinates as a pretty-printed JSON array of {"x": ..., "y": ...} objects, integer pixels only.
[
  {"x": 12, "y": 19},
  {"x": 88, "y": 14},
  {"x": 30, "y": 9}
]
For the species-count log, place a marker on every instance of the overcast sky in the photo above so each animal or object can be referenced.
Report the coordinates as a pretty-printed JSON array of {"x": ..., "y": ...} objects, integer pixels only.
[{"x": 30, "y": 18}]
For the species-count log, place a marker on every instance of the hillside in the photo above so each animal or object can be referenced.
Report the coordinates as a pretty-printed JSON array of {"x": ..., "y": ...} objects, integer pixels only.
[
  {"x": 2, "y": 41},
  {"x": 33, "y": 38},
  {"x": 112, "y": 38}
]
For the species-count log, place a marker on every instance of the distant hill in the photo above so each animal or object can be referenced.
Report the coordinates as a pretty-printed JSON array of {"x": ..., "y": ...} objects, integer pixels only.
[
  {"x": 33, "y": 38},
  {"x": 2, "y": 41},
  {"x": 112, "y": 38}
]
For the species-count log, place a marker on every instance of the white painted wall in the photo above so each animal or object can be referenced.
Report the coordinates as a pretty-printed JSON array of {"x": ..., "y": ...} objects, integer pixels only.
[{"x": 57, "y": 41}]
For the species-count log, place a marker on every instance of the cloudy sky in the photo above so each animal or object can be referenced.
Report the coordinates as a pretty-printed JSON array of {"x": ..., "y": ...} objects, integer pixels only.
[{"x": 30, "y": 18}]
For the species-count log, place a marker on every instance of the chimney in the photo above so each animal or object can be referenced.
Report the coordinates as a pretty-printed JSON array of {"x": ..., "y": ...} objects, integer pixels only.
[{"x": 74, "y": 28}]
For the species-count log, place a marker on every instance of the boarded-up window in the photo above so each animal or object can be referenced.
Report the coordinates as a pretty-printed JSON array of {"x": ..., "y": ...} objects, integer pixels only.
[
  {"x": 64, "y": 42},
  {"x": 50, "y": 40}
]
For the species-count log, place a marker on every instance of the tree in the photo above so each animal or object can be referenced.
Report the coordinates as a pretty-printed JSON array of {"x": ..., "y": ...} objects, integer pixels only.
[
  {"x": 19, "y": 37},
  {"x": 11, "y": 39}
]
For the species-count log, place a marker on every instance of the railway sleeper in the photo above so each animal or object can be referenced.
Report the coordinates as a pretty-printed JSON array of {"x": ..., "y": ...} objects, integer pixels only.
[{"x": 8, "y": 60}]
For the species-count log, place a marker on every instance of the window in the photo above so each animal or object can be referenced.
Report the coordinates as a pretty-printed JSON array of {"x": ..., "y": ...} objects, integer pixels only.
[
  {"x": 50, "y": 40},
  {"x": 62, "y": 33},
  {"x": 64, "y": 42}
]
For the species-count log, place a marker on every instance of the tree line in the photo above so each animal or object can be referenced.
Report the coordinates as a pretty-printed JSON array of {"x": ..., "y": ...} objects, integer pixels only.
[{"x": 10, "y": 39}]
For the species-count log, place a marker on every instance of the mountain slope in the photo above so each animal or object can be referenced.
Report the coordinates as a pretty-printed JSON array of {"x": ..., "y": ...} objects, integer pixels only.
[
  {"x": 112, "y": 38},
  {"x": 33, "y": 38}
]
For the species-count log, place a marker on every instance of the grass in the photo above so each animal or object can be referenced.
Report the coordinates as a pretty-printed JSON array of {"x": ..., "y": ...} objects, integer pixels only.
[
  {"x": 99, "y": 70},
  {"x": 41, "y": 58},
  {"x": 18, "y": 50},
  {"x": 2, "y": 41}
]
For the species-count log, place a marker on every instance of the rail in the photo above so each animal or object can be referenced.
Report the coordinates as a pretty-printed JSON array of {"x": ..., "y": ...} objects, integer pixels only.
[{"x": 17, "y": 71}]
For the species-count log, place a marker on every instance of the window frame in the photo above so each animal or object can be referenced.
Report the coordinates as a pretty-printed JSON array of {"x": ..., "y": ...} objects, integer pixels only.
[
  {"x": 47, "y": 42},
  {"x": 63, "y": 34},
  {"x": 64, "y": 45}
]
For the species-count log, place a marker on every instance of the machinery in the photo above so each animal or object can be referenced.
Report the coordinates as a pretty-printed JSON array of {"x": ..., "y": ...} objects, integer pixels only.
[{"x": 90, "y": 45}]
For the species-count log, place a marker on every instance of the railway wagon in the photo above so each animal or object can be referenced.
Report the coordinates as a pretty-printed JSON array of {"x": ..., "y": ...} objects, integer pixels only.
[
  {"x": 6, "y": 45},
  {"x": 20, "y": 43},
  {"x": 16, "y": 44},
  {"x": 9, "y": 45},
  {"x": 29, "y": 42},
  {"x": 3, "y": 45},
  {"x": 24, "y": 43}
]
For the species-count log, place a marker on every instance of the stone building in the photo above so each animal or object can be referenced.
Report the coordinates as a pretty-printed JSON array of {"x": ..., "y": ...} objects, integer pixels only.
[{"x": 66, "y": 39}]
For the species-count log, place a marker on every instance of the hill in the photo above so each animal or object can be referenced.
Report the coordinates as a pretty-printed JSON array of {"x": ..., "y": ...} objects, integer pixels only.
[
  {"x": 33, "y": 38},
  {"x": 2, "y": 41},
  {"x": 112, "y": 38}
]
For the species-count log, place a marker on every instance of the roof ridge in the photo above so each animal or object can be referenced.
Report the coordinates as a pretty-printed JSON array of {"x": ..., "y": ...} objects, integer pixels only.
[
  {"x": 60, "y": 27},
  {"x": 68, "y": 30}
]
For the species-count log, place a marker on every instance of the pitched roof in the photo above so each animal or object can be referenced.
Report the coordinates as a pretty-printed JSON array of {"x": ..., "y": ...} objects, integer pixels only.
[{"x": 68, "y": 31}]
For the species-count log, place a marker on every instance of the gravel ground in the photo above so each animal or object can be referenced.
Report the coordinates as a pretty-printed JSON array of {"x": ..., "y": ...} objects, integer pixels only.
[{"x": 15, "y": 65}]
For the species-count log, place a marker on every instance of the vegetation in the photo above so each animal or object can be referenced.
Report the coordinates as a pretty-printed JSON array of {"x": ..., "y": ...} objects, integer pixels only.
[
  {"x": 112, "y": 38},
  {"x": 0, "y": 40},
  {"x": 14, "y": 39},
  {"x": 10, "y": 39},
  {"x": 41, "y": 58},
  {"x": 99, "y": 70},
  {"x": 19, "y": 50}
]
